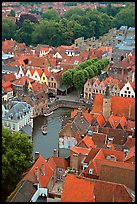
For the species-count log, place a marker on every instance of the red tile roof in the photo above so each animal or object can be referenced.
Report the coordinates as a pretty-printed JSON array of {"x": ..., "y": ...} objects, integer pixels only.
[
  {"x": 131, "y": 155},
  {"x": 77, "y": 190},
  {"x": 98, "y": 138},
  {"x": 101, "y": 120},
  {"x": 129, "y": 143},
  {"x": 6, "y": 84},
  {"x": 80, "y": 150},
  {"x": 98, "y": 104},
  {"x": 22, "y": 80},
  {"x": 87, "y": 141},
  {"x": 61, "y": 162},
  {"x": 9, "y": 77},
  {"x": 80, "y": 189},
  {"x": 43, "y": 180}
]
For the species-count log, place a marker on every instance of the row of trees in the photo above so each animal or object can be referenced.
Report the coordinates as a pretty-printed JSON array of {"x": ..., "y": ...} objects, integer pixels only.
[
  {"x": 55, "y": 30},
  {"x": 16, "y": 158},
  {"x": 86, "y": 70}
]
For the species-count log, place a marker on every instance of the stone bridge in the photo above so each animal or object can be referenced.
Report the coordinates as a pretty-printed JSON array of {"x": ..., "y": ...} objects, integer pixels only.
[{"x": 64, "y": 104}]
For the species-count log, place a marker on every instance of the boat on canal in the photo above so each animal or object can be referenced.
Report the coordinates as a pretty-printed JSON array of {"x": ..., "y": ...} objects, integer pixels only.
[
  {"x": 47, "y": 114},
  {"x": 44, "y": 130}
]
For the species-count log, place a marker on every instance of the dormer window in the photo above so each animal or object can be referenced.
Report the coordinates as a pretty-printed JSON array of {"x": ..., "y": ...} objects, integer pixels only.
[{"x": 90, "y": 171}]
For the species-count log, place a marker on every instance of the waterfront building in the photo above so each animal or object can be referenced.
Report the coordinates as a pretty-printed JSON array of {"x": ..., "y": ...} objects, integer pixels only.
[{"x": 16, "y": 116}]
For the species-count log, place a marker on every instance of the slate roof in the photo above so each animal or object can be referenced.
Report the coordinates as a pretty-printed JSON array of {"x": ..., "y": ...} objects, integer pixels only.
[
  {"x": 12, "y": 69},
  {"x": 27, "y": 129},
  {"x": 24, "y": 193},
  {"x": 80, "y": 124},
  {"x": 17, "y": 109}
]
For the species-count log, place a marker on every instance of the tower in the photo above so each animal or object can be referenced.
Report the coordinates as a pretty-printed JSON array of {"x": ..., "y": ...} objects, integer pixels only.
[{"x": 107, "y": 103}]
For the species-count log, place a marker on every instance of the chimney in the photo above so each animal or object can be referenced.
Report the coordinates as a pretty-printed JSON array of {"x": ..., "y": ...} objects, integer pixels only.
[
  {"x": 9, "y": 105},
  {"x": 97, "y": 128},
  {"x": 37, "y": 154},
  {"x": 43, "y": 169},
  {"x": 36, "y": 173},
  {"x": 55, "y": 153}
]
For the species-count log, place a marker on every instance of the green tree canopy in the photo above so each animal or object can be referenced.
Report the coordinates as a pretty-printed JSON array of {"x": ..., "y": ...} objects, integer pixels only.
[
  {"x": 16, "y": 158},
  {"x": 79, "y": 79},
  {"x": 51, "y": 14},
  {"x": 24, "y": 34},
  {"x": 126, "y": 17},
  {"x": 12, "y": 13},
  {"x": 67, "y": 78},
  {"x": 8, "y": 29}
]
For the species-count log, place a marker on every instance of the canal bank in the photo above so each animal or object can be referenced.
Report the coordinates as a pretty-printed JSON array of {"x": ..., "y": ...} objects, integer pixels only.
[{"x": 45, "y": 144}]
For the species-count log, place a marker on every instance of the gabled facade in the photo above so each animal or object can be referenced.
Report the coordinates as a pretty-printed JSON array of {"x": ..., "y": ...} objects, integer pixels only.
[{"x": 127, "y": 91}]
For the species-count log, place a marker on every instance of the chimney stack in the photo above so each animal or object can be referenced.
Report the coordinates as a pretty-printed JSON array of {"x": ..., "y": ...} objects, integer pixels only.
[
  {"x": 9, "y": 105},
  {"x": 43, "y": 169},
  {"x": 36, "y": 173},
  {"x": 37, "y": 154},
  {"x": 55, "y": 153}
]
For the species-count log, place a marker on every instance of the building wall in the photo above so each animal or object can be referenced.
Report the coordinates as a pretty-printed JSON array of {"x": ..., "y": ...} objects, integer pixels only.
[{"x": 127, "y": 91}]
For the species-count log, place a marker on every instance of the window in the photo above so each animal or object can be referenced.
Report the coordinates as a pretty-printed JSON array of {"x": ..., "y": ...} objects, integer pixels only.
[
  {"x": 132, "y": 96},
  {"x": 43, "y": 78},
  {"x": 100, "y": 91},
  {"x": 60, "y": 169},
  {"x": 122, "y": 95},
  {"x": 125, "y": 91},
  {"x": 51, "y": 78},
  {"x": 54, "y": 85},
  {"x": 35, "y": 76},
  {"x": 127, "y": 88},
  {"x": 128, "y": 95},
  {"x": 129, "y": 92},
  {"x": 13, "y": 126},
  {"x": 90, "y": 171},
  {"x": 125, "y": 95},
  {"x": 90, "y": 89},
  {"x": 49, "y": 84}
]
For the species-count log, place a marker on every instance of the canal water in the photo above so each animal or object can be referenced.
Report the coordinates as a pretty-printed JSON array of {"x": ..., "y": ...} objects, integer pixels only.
[{"x": 45, "y": 144}]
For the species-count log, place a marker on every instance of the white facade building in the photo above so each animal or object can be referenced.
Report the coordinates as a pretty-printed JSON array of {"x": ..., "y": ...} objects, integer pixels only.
[
  {"x": 17, "y": 116},
  {"x": 127, "y": 91}
]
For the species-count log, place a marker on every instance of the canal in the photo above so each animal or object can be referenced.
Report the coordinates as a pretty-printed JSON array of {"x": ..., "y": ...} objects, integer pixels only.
[{"x": 45, "y": 144}]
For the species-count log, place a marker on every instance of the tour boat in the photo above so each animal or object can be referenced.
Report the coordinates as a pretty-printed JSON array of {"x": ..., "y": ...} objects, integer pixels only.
[
  {"x": 47, "y": 114},
  {"x": 44, "y": 129}
]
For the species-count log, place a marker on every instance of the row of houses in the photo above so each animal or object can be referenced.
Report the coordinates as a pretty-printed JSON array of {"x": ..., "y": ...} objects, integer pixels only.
[
  {"x": 117, "y": 88},
  {"x": 95, "y": 147}
]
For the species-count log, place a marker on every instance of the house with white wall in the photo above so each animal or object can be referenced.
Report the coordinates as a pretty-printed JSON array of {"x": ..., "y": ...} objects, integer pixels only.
[
  {"x": 128, "y": 90},
  {"x": 17, "y": 116}
]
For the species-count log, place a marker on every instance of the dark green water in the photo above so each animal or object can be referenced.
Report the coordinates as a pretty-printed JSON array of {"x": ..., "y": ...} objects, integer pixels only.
[{"x": 45, "y": 144}]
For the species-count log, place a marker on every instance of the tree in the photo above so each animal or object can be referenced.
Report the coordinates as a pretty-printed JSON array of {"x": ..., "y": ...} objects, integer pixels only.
[
  {"x": 67, "y": 78},
  {"x": 16, "y": 158},
  {"x": 126, "y": 17},
  {"x": 79, "y": 79},
  {"x": 70, "y": 12},
  {"x": 23, "y": 17},
  {"x": 51, "y": 14},
  {"x": 8, "y": 29},
  {"x": 86, "y": 74},
  {"x": 90, "y": 72},
  {"x": 24, "y": 34},
  {"x": 95, "y": 69},
  {"x": 94, "y": 59},
  {"x": 12, "y": 13}
]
